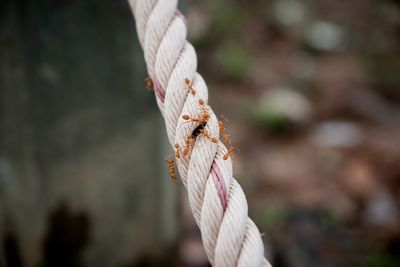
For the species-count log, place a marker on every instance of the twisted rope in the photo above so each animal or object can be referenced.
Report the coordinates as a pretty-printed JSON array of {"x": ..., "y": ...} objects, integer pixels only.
[{"x": 217, "y": 201}]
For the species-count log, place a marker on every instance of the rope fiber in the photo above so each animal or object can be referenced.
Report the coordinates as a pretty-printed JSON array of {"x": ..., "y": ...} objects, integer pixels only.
[{"x": 218, "y": 203}]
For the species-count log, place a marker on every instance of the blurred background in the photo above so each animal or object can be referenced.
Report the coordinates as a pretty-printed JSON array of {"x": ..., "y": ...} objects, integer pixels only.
[{"x": 311, "y": 93}]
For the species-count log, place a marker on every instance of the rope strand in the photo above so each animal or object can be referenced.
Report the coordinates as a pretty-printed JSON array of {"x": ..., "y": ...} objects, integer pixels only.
[{"x": 217, "y": 201}]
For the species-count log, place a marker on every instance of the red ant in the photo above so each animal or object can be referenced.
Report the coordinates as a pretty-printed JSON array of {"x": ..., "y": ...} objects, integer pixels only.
[
  {"x": 148, "y": 84},
  {"x": 198, "y": 130},
  {"x": 171, "y": 166},
  {"x": 201, "y": 123},
  {"x": 226, "y": 138},
  {"x": 190, "y": 86}
]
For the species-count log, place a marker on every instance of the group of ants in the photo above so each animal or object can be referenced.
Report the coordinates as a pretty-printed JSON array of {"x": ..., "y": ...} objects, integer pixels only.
[{"x": 201, "y": 123}]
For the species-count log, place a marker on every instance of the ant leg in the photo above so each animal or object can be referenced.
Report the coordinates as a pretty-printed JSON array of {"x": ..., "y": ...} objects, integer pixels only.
[{"x": 209, "y": 137}]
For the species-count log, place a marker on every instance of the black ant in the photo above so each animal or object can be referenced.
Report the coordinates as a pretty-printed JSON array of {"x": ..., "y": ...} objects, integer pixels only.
[{"x": 198, "y": 130}]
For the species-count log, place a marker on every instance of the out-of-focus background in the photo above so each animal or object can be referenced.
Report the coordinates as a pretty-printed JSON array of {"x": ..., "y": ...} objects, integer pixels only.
[{"x": 311, "y": 93}]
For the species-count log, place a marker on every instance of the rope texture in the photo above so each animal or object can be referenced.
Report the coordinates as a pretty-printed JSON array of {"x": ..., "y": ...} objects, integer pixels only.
[{"x": 217, "y": 201}]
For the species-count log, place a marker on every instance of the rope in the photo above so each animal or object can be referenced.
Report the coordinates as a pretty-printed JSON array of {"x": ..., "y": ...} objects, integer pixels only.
[{"x": 217, "y": 201}]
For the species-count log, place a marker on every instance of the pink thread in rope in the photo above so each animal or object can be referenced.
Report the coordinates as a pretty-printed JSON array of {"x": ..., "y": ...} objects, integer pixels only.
[
  {"x": 159, "y": 90},
  {"x": 157, "y": 87},
  {"x": 179, "y": 14},
  {"x": 219, "y": 184}
]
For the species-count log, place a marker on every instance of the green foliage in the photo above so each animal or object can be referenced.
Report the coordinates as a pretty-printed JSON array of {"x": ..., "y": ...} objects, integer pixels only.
[
  {"x": 227, "y": 19},
  {"x": 274, "y": 217},
  {"x": 271, "y": 120},
  {"x": 233, "y": 60}
]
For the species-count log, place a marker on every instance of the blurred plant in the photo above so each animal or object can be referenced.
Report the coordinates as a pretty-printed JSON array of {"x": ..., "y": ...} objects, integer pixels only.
[
  {"x": 275, "y": 216},
  {"x": 280, "y": 109},
  {"x": 233, "y": 60}
]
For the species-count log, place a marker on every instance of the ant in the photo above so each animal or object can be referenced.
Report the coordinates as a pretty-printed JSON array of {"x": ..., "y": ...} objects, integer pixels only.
[
  {"x": 177, "y": 151},
  {"x": 171, "y": 166},
  {"x": 148, "y": 84},
  {"x": 190, "y": 141},
  {"x": 226, "y": 138},
  {"x": 198, "y": 130},
  {"x": 201, "y": 123},
  {"x": 190, "y": 86},
  {"x": 171, "y": 163}
]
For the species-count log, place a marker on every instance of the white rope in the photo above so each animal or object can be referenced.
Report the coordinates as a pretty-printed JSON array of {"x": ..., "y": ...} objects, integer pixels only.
[{"x": 217, "y": 201}]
